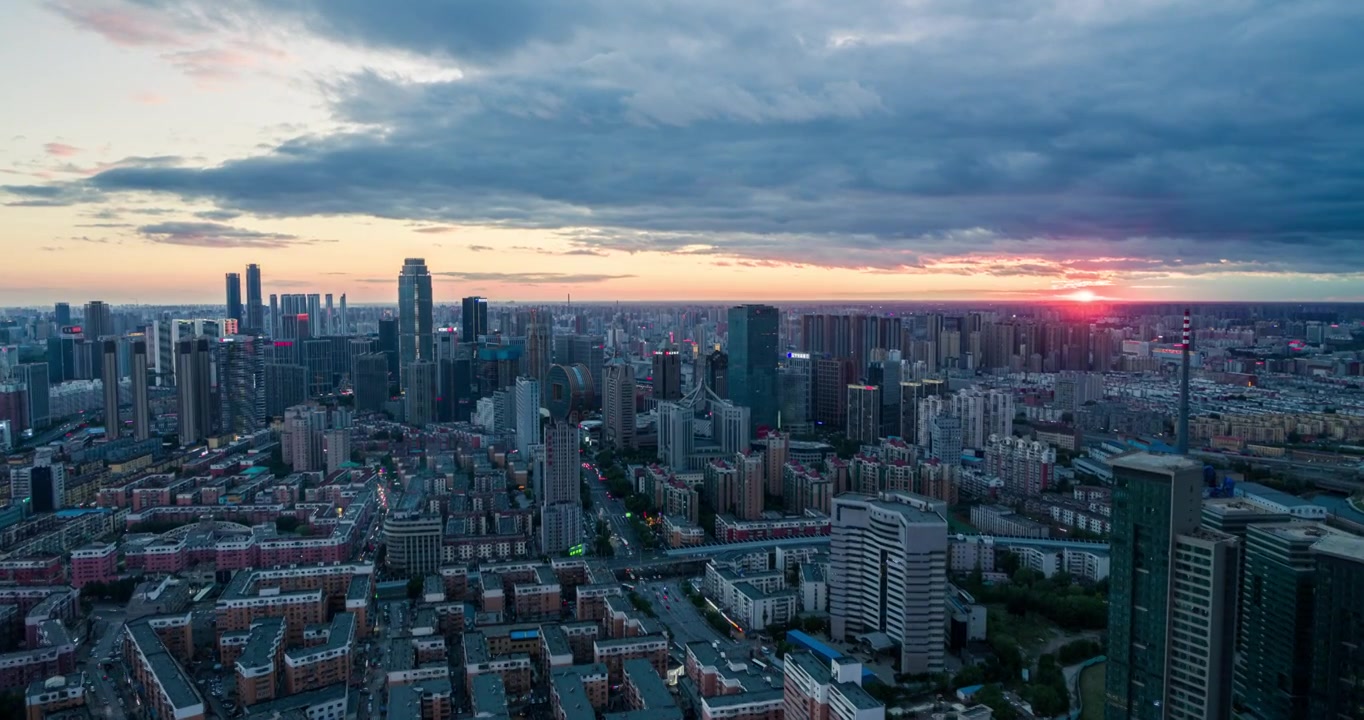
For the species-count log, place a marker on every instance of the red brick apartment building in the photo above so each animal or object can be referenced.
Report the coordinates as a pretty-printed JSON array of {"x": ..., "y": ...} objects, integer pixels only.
[
  {"x": 97, "y": 562},
  {"x": 54, "y": 694}
]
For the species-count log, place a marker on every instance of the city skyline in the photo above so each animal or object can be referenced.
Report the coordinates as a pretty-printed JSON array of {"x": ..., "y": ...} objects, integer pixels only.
[{"x": 683, "y": 151}]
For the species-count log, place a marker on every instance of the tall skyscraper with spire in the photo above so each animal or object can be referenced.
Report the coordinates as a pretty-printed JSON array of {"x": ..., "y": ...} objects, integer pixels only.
[
  {"x": 416, "y": 325},
  {"x": 255, "y": 308}
]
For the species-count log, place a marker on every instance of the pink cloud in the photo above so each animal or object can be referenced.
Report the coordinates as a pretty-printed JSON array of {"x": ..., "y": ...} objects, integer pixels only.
[
  {"x": 149, "y": 98},
  {"x": 119, "y": 23},
  {"x": 211, "y": 64},
  {"x": 61, "y": 149}
]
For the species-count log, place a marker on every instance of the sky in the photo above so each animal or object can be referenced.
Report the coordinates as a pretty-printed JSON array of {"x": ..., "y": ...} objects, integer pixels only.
[{"x": 684, "y": 149}]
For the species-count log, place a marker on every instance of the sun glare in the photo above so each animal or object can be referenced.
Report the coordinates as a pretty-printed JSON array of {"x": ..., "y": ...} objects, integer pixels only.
[{"x": 1083, "y": 296}]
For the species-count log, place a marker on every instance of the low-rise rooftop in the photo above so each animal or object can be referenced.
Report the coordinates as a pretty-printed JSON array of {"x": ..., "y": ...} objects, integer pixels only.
[{"x": 652, "y": 692}]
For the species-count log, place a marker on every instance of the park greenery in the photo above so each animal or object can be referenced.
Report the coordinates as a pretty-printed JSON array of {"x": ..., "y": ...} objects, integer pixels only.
[{"x": 1070, "y": 605}]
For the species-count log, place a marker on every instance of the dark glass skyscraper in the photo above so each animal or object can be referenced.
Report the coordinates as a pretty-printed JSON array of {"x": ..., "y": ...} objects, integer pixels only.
[
  {"x": 234, "y": 298},
  {"x": 1338, "y": 663},
  {"x": 255, "y": 309},
  {"x": 1155, "y": 498},
  {"x": 388, "y": 344},
  {"x": 473, "y": 319},
  {"x": 241, "y": 384},
  {"x": 63, "y": 314},
  {"x": 416, "y": 325},
  {"x": 753, "y": 361},
  {"x": 1274, "y": 675}
]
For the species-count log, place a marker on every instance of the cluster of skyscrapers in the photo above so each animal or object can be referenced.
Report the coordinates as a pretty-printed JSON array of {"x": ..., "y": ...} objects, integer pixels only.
[{"x": 1223, "y": 608}]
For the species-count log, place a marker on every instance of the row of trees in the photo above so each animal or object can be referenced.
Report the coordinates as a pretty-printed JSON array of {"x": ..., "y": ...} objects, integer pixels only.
[{"x": 1072, "y": 606}]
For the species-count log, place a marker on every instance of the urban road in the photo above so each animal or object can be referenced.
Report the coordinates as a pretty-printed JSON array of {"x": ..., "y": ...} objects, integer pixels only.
[{"x": 106, "y": 624}]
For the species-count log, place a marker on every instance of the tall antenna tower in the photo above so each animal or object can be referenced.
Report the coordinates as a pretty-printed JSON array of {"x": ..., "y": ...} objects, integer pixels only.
[{"x": 1182, "y": 444}]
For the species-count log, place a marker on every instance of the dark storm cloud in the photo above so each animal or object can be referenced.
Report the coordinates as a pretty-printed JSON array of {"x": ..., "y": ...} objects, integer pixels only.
[
  {"x": 216, "y": 235},
  {"x": 1208, "y": 137},
  {"x": 217, "y": 215}
]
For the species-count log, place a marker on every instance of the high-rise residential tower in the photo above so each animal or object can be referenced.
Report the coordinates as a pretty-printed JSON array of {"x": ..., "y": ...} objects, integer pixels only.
[
  {"x": 241, "y": 384},
  {"x": 527, "y": 415},
  {"x": 888, "y": 573},
  {"x": 193, "y": 390},
  {"x": 1202, "y": 625},
  {"x": 109, "y": 362},
  {"x": 255, "y": 310},
  {"x": 675, "y": 438},
  {"x": 753, "y": 361},
  {"x": 561, "y": 490},
  {"x": 142, "y": 411},
  {"x": 416, "y": 325},
  {"x": 864, "y": 413},
  {"x": 1156, "y": 498},
  {"x": 732, "y": 427},
  {"x": 618, "y": 406},
  {"x": 234, "y": 298}
]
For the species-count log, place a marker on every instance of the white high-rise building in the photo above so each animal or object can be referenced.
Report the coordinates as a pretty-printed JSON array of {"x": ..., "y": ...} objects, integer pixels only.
[
  {"x": 560, "y": 489},
  {"x": 888, "y": 574},
  {"x": 618, "y": 406},
  {"x": 1203, "y": 621},
  {"x": 982, "y": 413},
  {"x": 945, "y": 439},
  {"x": 675, "y": 441},
  {"x": 336, "y": 445},
  {"x": 732, "y": 427},
  {"x": 527, "y": 415}
]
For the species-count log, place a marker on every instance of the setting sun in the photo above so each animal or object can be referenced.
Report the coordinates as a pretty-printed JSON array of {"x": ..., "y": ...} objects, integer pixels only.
[{"x": 1083, "y": 296}]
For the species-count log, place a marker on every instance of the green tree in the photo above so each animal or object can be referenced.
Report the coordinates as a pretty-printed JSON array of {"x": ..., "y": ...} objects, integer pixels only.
[
  {"x": 287, "y": 523},
  {"x": 414, "y": 588},
  {"x": 969, "y": 675},
  {"x": 278, "y": 467},
  {"x": 993, "y": 696}
]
